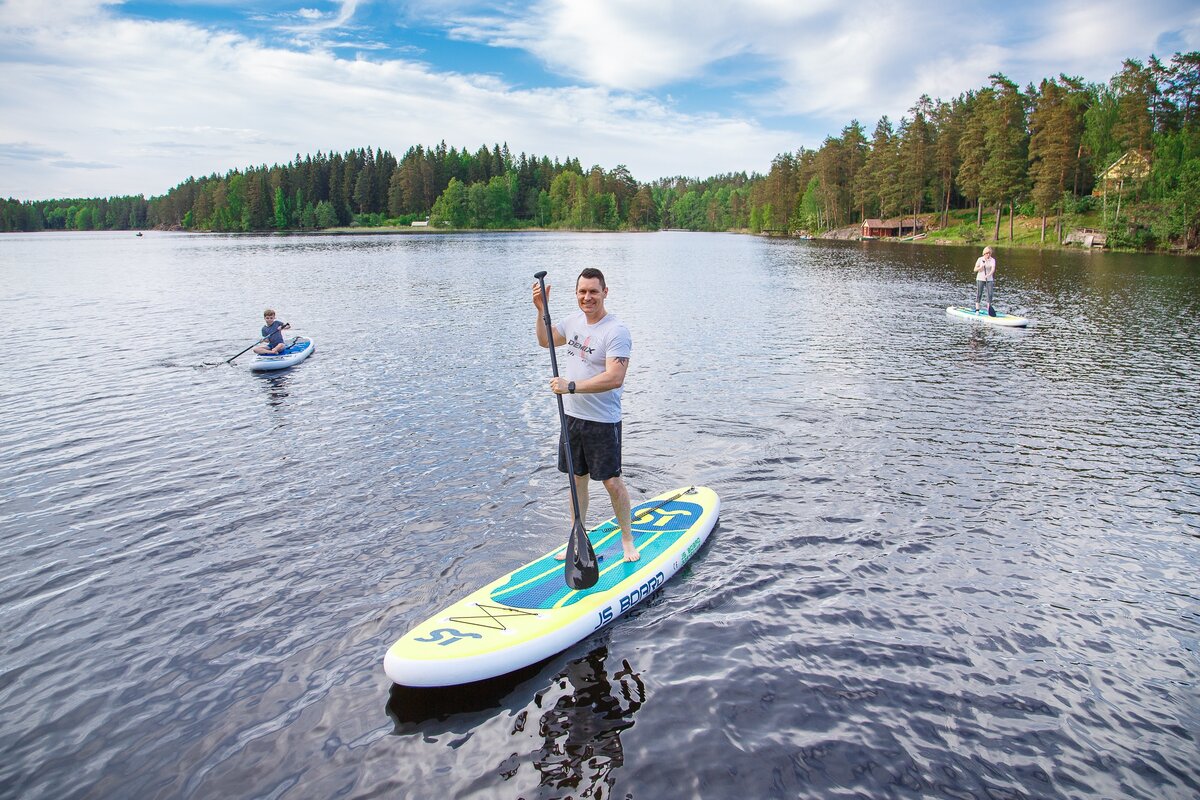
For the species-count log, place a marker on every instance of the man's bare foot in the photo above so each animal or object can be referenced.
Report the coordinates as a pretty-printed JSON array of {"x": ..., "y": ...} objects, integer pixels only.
[
  {"x": 631, "y": 552},
  {"x": 560, "y": 556}
]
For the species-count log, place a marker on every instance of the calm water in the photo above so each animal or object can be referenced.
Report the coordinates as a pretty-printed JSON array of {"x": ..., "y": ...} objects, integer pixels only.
[{"x": 953, "y": 560}]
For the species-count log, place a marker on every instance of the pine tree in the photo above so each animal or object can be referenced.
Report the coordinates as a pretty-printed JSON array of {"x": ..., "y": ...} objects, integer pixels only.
[
  {"x": 948, "y": 125},
  {"x": 1056, "y": 126},
  {"x": 972, "y": 148},
  {"x": 1004, "y": 172},
  {"x": 643, "y": 215},
  {"x": 1137, "y": 93},
  {"x": 916, "y": 157},
  {"x": 878, "y": 168},
  {"x": 854, "y": 148}
]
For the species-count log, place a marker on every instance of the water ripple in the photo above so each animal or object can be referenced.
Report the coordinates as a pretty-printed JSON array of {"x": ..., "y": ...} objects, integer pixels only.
[{"x": 953, "y": 560}]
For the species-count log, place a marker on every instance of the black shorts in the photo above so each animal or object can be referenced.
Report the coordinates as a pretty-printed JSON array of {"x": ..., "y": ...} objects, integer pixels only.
[{"x": 595, "y": 448}]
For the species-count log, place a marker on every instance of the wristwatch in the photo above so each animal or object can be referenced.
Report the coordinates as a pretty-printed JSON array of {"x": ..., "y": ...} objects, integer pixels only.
[{"x": 571, "y": 387}]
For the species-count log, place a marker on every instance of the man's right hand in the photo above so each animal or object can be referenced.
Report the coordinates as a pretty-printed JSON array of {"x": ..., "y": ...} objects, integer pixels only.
[{"x": 537, "y": 295}]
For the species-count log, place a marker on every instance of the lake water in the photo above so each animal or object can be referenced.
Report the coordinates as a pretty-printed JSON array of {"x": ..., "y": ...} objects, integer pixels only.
[{"x": 953, "y": 560}]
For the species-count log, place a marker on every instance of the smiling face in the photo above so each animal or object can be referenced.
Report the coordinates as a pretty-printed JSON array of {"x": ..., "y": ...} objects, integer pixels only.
[{"x": 590, "y": 296}]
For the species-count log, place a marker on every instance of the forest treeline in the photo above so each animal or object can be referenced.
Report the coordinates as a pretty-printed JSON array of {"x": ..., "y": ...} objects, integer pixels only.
[{"x": 1044, "y": 151}]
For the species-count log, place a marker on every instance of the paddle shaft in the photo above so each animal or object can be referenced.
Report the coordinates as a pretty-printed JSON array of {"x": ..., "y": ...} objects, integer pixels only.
[
  {"x": 256, "y": 344},
  {"x": 562, "y": 414}
]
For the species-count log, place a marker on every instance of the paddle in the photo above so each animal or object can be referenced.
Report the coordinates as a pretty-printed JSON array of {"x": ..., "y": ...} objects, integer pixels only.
[
  {"x": 580, "y": 568},
  {"x": 260, "y": 341}
]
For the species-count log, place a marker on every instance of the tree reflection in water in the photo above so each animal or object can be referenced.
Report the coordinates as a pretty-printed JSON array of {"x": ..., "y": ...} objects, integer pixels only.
[
  {"x": 581, "y": 732},
  {"x": 579, "y": 718}
]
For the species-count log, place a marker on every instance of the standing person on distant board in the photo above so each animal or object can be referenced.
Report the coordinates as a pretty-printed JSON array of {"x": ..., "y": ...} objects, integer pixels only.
[
  {"x": 598, "y": 348},
  {"x": 985, "y": 275}
]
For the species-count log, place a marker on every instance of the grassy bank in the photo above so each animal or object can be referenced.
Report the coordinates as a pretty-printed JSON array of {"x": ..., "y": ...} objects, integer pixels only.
[{"x": 1026, "y": 231}]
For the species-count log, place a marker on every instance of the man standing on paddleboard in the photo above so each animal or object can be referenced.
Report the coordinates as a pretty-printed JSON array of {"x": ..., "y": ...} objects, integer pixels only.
[{"x": 598, "y": 349}]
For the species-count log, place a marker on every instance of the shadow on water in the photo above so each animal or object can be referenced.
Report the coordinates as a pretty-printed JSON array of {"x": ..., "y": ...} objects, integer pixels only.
[
  {"x": 578, "y": 716},
  {"x": 416, "y": 709}
]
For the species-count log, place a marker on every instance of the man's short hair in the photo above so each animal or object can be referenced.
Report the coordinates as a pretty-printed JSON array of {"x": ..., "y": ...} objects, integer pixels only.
[{"x": 592, "y": 272}]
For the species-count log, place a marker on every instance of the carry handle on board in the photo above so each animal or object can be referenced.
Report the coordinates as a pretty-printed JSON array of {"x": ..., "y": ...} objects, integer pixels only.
[{"x": 580, "y": 568}]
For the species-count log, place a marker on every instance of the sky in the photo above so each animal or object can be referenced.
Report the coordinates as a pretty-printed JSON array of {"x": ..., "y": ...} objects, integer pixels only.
[{"x": 111, "y": 98}]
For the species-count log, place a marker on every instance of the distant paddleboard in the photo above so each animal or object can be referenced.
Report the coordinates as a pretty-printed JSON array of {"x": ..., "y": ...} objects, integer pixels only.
[
  {"x": 530, "y": 614},
  {"x": 1007, "y": 320}
]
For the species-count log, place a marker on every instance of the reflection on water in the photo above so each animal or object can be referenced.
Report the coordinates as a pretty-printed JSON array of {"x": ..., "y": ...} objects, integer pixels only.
[
  {"x": 276, "y": 385},
  {"x": 954, "y": 560},
  {"x": 575, "y": 721},
  {"x": 586, "y": 711}
]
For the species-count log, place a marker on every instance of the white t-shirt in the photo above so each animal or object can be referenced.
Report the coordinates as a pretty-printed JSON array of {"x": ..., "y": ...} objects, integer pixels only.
[
  {"x": 588, "y": 348},
  {"x": 985, "y": 268}
]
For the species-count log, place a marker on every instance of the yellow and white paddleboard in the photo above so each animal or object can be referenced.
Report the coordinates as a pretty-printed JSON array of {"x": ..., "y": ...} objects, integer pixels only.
[{"x": 531, "y": 614}]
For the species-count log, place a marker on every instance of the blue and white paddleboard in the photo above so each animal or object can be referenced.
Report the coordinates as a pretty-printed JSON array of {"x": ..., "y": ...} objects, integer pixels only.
[
  {"x": 530, "y": 614},
  {"x": 1007, "y": 320},
  {"x": 289, "y": 356}
]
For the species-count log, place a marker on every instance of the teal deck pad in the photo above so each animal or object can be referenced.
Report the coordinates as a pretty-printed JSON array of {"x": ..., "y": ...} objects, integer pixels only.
[{"x": 540, "y": 585}]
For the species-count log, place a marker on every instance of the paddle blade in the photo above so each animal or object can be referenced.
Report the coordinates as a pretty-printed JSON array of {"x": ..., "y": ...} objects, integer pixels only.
[{"x": 580, "y": 568}]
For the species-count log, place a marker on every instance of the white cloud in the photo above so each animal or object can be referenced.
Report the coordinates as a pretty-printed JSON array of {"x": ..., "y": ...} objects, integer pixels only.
[
  {"x": 315, "y": 20},
  {"x": 1092, "y": 38},
  {"x": 830, "y": 59},
  {"x": 164, "y": 100},
  {"x": 86, "y": 88},
  {"x": 633, "y": 44}
]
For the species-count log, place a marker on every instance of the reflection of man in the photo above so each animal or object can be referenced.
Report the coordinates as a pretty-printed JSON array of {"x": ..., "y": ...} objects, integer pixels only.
[
  {"x": 583, "y": 730},
  {"x": 598, "y": 348}
]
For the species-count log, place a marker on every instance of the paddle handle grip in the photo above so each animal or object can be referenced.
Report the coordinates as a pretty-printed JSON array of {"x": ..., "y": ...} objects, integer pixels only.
[{"x": 541, "y": 278}]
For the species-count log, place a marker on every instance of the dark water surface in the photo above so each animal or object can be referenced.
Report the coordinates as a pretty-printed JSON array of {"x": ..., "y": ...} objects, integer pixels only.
[{"x": 953, "y": 560}]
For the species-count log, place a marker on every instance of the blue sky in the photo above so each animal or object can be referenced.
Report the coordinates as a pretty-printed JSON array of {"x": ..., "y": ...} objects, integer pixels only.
[{"x": 105, "y": 98}]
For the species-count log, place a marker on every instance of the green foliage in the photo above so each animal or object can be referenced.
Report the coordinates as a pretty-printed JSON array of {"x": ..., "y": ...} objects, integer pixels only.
[
  {"x": 377, "y": 220},
  {"x": 326, "y": 215},
  {"x": 808, "y": 213},
  {"x": 282, "y": 211},
  {"x": 1183, "y": 217},
  {"x": 643, "y": 212},
  {"x": 498, "y": 202},
  {"x": 1131, "y": 237},
  {"x": 113, "y": 213},
  {"x": 450, "y": 209}
]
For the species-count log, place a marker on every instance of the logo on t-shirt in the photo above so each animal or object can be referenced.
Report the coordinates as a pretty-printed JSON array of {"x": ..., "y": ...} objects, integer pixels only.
[{"x": 584, "y": 350}]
